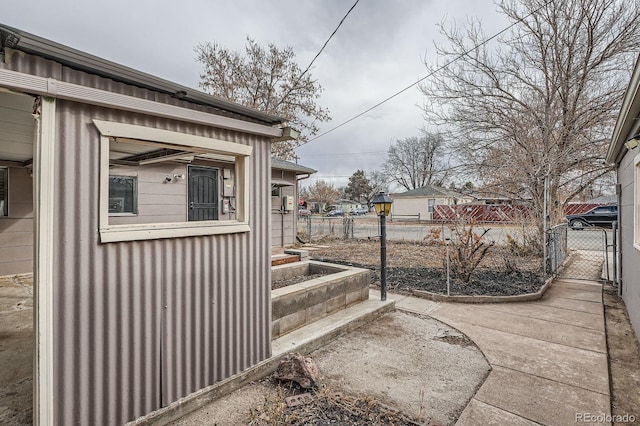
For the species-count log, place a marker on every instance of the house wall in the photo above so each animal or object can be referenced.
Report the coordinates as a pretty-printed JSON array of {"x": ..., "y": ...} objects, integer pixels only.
[
  {"x": 158, "y": 201},
  {"x": 412, "y": 206},
  {"x": 348, "y": 207},
  {"x": 284, "y": 224},
  {"x": 16, "y": 229},
  {"x": 140, "y": 324},
  {"x": 630, "y": 256}
]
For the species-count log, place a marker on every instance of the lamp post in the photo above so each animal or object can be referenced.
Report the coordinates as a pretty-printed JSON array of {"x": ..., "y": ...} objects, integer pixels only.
[{"x": 382, "y": 204}]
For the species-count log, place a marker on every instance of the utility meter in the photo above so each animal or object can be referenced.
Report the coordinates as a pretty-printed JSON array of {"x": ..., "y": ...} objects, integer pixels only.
[{"x": 287, "y": 203}]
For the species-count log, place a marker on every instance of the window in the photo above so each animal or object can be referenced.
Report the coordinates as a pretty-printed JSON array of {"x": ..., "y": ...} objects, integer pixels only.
[
  {"x": 431, "y": 203},
  {"x": 123, "y": 195},
  {"x": 4, "y": 191},
  {"x": 163, "y": 184},
  {"x": 275, "y": 190}
]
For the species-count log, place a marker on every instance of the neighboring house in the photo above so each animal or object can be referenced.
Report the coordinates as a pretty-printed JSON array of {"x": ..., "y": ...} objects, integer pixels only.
[
  {"x": 152, "y": 234},
  {"x": 314, "y": 206},
  {"x": 490, "y": 198},
  {"x": 420, "y": 203},
  {"x": 347, "y": 206},
  {"x": 284, "y": 200},
  {"x": 625, "y": 154}
]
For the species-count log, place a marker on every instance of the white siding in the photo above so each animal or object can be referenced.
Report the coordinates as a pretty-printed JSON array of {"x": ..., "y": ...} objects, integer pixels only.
[
  {"x": 283, "y": 224},
  {"x": 16, "y": 230}
]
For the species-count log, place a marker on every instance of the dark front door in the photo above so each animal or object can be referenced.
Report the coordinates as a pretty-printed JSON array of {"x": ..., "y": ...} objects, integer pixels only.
[{"x": 203, "y": 193}]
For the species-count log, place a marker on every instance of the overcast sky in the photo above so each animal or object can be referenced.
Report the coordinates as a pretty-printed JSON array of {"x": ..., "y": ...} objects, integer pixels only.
[{"x": 379, "y": 50}]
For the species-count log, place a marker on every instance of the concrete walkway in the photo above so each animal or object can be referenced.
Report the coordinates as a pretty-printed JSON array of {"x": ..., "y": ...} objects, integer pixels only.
[{"x": 548, "y": 358}]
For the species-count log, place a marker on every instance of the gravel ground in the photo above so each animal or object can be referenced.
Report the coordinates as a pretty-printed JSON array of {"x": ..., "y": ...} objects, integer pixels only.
[
  {"x": 416, "y": 266},
  {"x": 295, "y": 280},
  {"x": 400, "y": 369}
]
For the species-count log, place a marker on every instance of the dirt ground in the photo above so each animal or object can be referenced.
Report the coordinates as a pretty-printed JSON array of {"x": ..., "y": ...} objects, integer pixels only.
[
  {"x": 624, "y": 357},
  {"x": 16, "y": 349},
  {"x": 419, "y": 366},
  {"x": 418, "y": 266}
]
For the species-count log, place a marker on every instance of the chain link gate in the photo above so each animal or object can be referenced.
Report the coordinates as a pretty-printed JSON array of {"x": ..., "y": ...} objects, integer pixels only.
[{"x": 583, "y": 254}]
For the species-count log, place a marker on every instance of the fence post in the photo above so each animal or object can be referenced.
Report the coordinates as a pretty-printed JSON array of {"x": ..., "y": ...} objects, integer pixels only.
[
  {"x": 614, "y": 227},
  {"x": 545, "y": 252},
  {"x": 448, "y": 269},
  {"x": 554, "y": 241},
  {"x": 309, "y": 228},
  {"x": 606, "y": 252}
]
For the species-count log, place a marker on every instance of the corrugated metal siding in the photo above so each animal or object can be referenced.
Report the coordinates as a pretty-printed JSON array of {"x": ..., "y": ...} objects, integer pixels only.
[{"x": 140, "y": 324}]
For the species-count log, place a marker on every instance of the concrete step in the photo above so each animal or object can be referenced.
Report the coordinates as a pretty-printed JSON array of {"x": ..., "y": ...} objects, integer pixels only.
[
  {"x": 317, "y": 334},
  {"x": 281, "y": 259}
]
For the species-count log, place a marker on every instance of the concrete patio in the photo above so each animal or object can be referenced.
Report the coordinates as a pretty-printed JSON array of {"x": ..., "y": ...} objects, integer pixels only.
[{"x": 548, "y": 357}]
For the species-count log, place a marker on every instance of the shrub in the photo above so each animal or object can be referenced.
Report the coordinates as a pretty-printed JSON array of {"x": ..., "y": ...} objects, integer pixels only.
[{"x": 467, "y": 249}]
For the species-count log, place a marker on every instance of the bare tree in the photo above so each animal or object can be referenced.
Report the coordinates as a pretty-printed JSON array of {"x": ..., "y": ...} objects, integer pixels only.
[
  {"x": 541, "y": 104},
  {"x": 322, "y": 192},
  {"x": 378, "y": 182},
  {"x": 268, "y": 80},
  {"x": 415, "y": 162}
]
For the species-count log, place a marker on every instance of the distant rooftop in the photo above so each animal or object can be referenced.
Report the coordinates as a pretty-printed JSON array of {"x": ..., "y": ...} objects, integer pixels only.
[
  {"x": 431, "y": 191},
  {"x": 604, "y": 199},
  {"x": 277, "y": 163}
]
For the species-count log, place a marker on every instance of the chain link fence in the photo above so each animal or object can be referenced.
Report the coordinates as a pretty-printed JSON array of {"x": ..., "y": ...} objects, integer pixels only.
[
  {"x": 315, "y": 228},
  {"x": 583, "y": 254},
  {"x": 497, "y": 258}
]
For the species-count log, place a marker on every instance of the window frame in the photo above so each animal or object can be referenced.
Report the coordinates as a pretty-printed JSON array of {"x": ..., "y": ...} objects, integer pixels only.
[
  {"x": 148, "y": 231},
  {"x": 4, "y": 211},
  {"x": 135, "y": 197},
  {"x": 636, "y": 202}
]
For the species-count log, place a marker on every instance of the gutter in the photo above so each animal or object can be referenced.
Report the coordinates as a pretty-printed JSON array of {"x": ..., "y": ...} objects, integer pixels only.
[
  {"x": 628, "y": 112},
  {"x": 76, "y": 59}
]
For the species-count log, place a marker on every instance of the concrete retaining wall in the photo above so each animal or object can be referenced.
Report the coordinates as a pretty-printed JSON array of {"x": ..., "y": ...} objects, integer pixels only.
[{"x": 297, "y": 305}]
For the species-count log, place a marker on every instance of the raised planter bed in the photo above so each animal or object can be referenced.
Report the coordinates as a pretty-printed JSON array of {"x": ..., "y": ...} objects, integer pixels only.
[{"x": 299, "y": 304}]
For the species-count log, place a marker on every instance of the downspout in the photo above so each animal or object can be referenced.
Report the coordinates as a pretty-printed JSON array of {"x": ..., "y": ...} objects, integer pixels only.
[{"x": 295, "y": 223}]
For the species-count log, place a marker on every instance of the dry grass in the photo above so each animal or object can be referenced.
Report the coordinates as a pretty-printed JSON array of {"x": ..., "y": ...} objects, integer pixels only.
[
  {"x": 323, "y": 407},
  {"x": 407, "y": 254}
]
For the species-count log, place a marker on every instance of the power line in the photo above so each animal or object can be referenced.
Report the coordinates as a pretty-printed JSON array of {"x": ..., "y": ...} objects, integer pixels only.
[
  {"x": 327, "y": 42},
  {"x": 431, "y": 73},
  {"x": 294, "y": 85},
  {"x": 342, "y": 154}
]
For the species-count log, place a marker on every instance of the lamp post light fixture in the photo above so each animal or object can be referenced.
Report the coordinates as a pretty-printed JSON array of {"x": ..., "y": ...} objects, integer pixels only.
[
  {"x": 632, "y": 143},
  {"x": 382, "y": 204}
]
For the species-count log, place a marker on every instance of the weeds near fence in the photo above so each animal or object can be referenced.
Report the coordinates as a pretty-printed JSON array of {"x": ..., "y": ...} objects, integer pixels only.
[{"x": 466, "y": 249}]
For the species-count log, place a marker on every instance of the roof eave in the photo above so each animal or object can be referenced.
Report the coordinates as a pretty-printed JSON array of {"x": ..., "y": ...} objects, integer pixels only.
[
  {"x": 290, "y": 167},
  {"x": 629, "y": 110},
  {"x": 76, "y": 59}
]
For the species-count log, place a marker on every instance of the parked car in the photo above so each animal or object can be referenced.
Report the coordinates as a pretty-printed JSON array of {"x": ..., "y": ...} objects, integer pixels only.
[
  {"x": 602, "y": 216},
  {"x": 359, "y": 212},
  {"x": 336, "y": 212},
  {"x": 304, "y": 212}
]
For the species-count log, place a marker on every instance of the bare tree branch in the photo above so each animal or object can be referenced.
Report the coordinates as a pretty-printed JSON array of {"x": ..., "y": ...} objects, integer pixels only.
[
  {"x": 268, "y": 80},
  {"x": 541, "y": 105}
]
